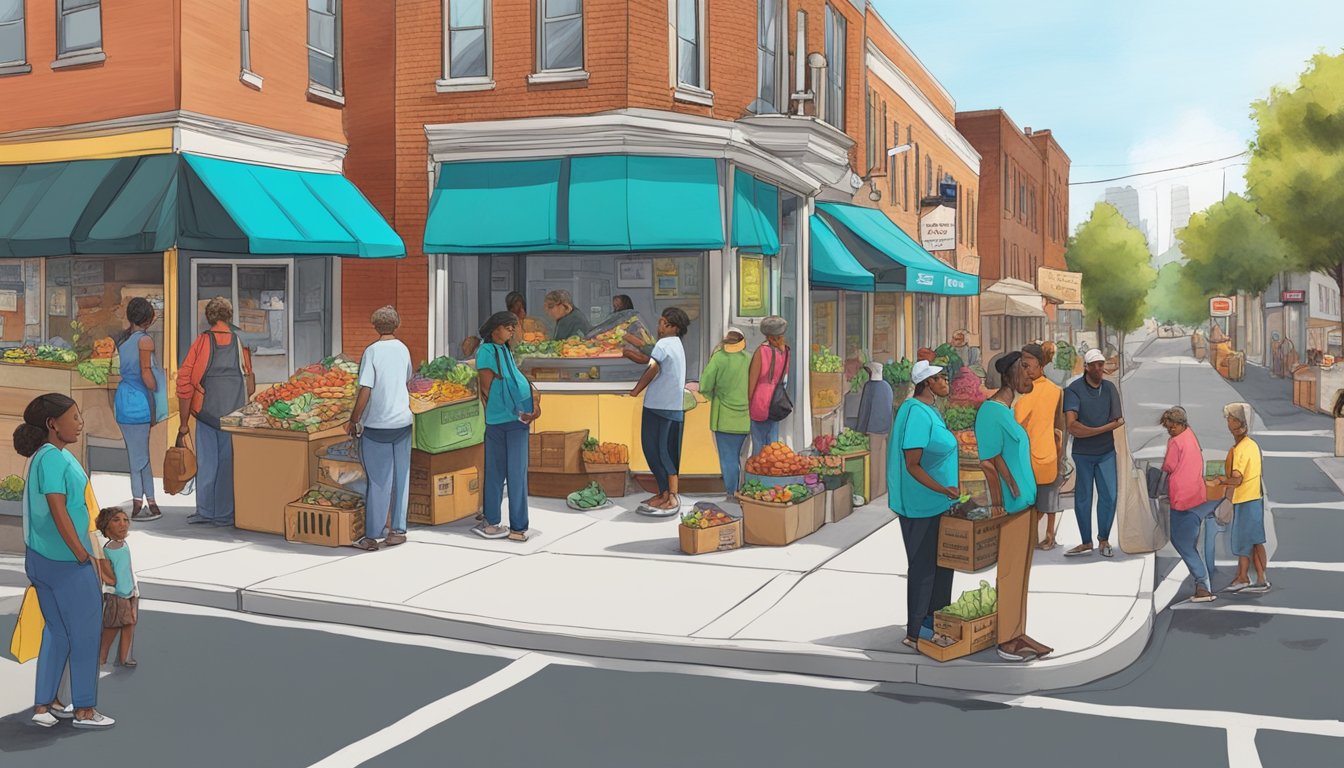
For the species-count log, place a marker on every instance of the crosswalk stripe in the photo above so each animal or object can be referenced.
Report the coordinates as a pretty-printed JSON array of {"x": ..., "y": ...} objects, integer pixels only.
[{"x": 1228, "y": 605}]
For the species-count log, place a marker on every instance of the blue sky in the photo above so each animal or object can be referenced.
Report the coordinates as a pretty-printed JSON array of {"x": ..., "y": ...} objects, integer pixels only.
[{"x": 1125, "y": 86}]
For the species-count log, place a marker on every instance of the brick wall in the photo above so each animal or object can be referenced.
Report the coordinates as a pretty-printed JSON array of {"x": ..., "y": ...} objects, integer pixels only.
[{"x": 1056, "y": 175}]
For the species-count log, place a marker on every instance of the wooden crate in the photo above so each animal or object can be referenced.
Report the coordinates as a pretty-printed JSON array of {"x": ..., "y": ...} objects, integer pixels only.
[
  {"x": 556, "y": 451},
  {"x": 324, "y": 526},
  {"x": 974, "y": 635},
  {"x": 696, "y": 541},
  {"x": 969, "y": 545}
]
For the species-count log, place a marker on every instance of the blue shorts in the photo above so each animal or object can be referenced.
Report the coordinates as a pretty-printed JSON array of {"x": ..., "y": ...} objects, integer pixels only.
[{"x": 1248, "y": 526}]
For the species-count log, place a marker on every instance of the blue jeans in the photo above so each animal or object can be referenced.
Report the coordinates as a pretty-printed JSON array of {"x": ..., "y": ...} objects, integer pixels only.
[
  {"x": 72, "y": 605},
  {"x": 763, "y": 433},
  {"x": 214, "y": 474},
  {"x": 730, "y": 459},
  {"x": 506, "y": 461},
  {"x": 388, "y": 467},
  {"x": 660, "y": 438},
  {"x": 136, "y": 437},
  {"x": 1211, "y": 530},
  {"x": 1185, "y": 538},
  {"x": 1098, "y": 471}
]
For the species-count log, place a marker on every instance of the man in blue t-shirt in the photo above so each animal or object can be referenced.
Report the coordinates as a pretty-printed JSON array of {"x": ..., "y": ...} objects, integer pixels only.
[{"x": 1092, "y": 414}]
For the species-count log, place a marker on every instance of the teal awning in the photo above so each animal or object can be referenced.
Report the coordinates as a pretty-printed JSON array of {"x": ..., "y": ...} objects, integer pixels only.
[
  {"x": 155, "y": 202},
  {"x": 833, "y": 266},
  {"x": 636, "y": 203},
  {"x": 280, "y": 211},
  {"x": 599, "y": 203},
  {"x": 755, "y": 215},
  {"x": 897, "y": 261},
  {"x": 495, "y": 207}
]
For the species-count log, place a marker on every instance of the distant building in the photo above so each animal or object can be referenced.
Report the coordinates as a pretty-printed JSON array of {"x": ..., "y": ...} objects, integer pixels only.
[
  {"x": 1180, "y": 209},
  {"x": 1126, "y": 201}
]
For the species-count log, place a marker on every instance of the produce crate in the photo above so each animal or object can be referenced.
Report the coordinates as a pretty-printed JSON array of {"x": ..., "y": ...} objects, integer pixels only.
[
  {"x": 969, "y": 545},
  {"x": 697, "y": 541},
  {"x": 827, "y": 392},
  {"x": 556, "y": 451},
  {"x": 324, "y": 526},
  {"x": 450, "y": 427},
  {"x": 455, "y": 495},
  {"x": 610, "y": 478},
  {"x": 839, "y": 503},
  {"x": 425, "y": 467},
  {"x": 973, "y": 636},
  {"x": 775, "y": 525},
  {"x": 769, "y": 481},
  {"x": 555, "y": 485}
]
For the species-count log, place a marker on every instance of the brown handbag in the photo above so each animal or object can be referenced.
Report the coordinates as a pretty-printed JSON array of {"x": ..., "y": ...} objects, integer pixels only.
[{"x": 179, "y": 465}]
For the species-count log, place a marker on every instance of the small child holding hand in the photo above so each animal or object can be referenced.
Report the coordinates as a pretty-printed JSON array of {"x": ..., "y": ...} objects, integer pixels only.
[{"x": 121, "y": 601}]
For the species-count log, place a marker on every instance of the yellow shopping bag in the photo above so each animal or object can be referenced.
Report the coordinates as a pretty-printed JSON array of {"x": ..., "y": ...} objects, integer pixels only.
[{"x": 27, "y": 639}]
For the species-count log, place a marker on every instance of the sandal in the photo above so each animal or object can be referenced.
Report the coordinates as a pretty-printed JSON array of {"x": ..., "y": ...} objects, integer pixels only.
[
  {"x": 366, "y": 544},
  {"x": 1046, "y": 546},
  {"x": 490, "y": 531},
  {"x": 518, "y": 536},
  {"x": 1082, "y": 550}
]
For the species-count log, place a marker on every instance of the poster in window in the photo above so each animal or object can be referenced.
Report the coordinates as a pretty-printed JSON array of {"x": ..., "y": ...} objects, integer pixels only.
[
  {"x": 58, "y": 302},
  {"x": 665, "y": 282},
  {"x": 634, "y": 273},
  {"x": 751, "y": 286},
  {"x": 9, "y": 301},
  {"x": 690, "y": 276}
]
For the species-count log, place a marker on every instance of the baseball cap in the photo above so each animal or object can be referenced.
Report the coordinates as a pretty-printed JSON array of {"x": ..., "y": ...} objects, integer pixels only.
[
  {"x": 1093, "y": 356},
  {"x": 924, "y": 370}
]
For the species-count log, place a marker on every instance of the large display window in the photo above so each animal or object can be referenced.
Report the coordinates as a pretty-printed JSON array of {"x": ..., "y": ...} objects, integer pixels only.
[
  {"x": 478, "y": 285},
  {"x": 86, "y": 297}
]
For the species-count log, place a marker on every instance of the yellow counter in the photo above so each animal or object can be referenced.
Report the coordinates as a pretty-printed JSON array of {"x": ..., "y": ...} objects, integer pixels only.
[{"x": 614, "y": 418}]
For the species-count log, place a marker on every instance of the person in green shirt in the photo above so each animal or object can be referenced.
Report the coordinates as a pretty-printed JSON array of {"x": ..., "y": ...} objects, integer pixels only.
[
  {"x": 922, "y": 471},
  {"x": 1005, "y": 456},
  {"x": 724, "y": 384}
]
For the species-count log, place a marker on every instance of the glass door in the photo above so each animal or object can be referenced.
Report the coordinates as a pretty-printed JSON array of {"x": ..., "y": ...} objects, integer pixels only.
[{"x": 261, "y": 296}]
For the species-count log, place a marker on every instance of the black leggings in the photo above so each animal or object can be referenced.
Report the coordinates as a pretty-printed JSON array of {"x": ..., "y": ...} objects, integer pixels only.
[
  {"x": 661, "y": 439},
  {"x": 928, "y": 585}
]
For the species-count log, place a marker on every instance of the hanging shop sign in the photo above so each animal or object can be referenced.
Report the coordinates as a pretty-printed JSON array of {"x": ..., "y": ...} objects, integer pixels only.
[
  {"x": 938, "y": 229},
  {"x": 1292, "y": 297},
  {"x": 1064, "y": 287},
  {"x": 1222, "y": 306}
]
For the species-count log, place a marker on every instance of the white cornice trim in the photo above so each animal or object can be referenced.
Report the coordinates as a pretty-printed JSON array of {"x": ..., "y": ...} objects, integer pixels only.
[
  {"x": 799, "y": 154},
  {"x": 206, "y": 135},
  {"x": 904, "y": 46},
  {"x": 946, "y": 132}
]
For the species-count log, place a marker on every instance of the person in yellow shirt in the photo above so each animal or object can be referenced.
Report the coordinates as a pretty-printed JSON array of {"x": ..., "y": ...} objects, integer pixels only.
[
  {"x": 1041, "y": 414},
  {"x": 1244, "y": 465}
]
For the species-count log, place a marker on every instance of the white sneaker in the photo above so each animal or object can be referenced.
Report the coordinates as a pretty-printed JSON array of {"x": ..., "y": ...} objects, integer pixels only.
[
  {"x": 95, "y": 722},
  {"x": 44, "y": 720},
  {"x": 64, "y": 713}
]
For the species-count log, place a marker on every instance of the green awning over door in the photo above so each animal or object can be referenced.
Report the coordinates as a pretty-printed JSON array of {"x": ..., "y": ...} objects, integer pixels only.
[
  {"x": 638, "y": 203},
  {"x": 755, "y": 215},
  {"x": 495, "y": 207},
  {"x": 899, "y": 263},
  {"x": 832, "y": 265}
]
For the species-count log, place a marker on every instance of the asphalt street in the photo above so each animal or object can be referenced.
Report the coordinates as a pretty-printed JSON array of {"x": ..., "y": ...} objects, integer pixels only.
[{"x": 1243, "y": 682}]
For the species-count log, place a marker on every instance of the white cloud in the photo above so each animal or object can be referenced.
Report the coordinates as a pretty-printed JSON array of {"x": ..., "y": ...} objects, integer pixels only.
[{"x": 1190, "y": 137}]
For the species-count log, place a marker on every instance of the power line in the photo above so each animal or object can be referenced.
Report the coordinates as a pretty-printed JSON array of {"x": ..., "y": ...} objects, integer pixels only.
[{"x": 1160, "y": 170}]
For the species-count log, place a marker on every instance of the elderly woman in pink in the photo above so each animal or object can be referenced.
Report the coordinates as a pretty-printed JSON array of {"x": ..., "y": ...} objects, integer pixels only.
[{"x": 1184, "y": 465}]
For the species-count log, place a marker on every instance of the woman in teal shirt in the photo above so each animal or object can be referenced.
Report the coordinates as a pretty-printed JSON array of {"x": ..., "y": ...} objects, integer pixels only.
[
  {"x": 1005, "y": 456},
  {"x": 59, "y": 562},
  {"x": 922, "y": 467},
  {"x": 724, "y": 384}
]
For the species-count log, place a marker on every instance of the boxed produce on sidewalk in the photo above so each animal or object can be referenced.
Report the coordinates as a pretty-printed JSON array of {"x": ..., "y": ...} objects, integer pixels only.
[
  {"x": 325, "y": 516},
  {"x": 450, "y": 427},
  {"x": 781, "y": 515},
  {"x": 556, "y": 451},
  {"x": 455, "y": 495},
  {"x": 426, "y": 467},
  {"x": 607, "y": 464},
  {"x": 968, "y": 539},
  {"x": 839, "y": 503},
  {"x": 968, "y": 626},
  {"x": 707, "y": 528},
  {"x": 442, "y": 381}
]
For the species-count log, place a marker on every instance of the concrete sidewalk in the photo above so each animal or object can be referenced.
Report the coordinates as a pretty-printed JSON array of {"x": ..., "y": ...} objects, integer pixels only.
[{"x": 615, "y": 584}]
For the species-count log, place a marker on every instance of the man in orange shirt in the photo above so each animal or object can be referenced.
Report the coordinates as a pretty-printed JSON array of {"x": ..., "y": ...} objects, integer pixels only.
[{"x": 1041, "y": 414}]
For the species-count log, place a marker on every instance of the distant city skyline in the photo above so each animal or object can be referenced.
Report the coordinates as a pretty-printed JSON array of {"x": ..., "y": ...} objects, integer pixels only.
[{"x": 1126, "y": 88}]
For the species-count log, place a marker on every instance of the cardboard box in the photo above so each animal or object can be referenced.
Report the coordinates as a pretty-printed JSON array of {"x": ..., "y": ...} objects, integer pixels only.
[
  {"x": 456, "y": 495},
  {"x": 969, "y": 545},
  {"x": 839, "y": 503},
  {"x": 270, "y": 469},
  {"x": 696, "y": 541},
  {"x": 775, "y": 525},
  {"x": 450, "y": 427},
  {"x": 426, "y": 466},
  {"x": 973, "y": 635},
  {"x": 325, "y": 526},
  {"x": 556, "y": 451}
]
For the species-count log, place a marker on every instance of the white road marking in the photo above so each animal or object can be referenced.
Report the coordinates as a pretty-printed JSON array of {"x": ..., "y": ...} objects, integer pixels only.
[
  {"x": 1228, "y": 603},
  {"x": 1200, "y": 718},
  {"x": 1241, "y": 749},
  {"x": 1295, "y": 433},
  {"x": 1298, "y": 455},
  {"x": 434, "y": 714},
  {"x": 1301, "y": 565},
  {"x": 1308, "y": 505}
]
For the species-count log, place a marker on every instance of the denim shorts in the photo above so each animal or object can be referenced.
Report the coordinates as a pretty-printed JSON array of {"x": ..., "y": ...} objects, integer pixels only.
[{"x": 1248, "y": 526}]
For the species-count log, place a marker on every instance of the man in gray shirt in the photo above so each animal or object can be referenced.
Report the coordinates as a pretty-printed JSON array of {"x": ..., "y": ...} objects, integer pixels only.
[
  {"x": 569, "y": 322},
  {"x": 1091, "y": 415}
]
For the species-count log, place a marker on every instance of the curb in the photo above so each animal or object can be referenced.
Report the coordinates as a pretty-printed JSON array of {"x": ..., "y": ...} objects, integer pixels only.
[{"x": 1117, "y": 651}]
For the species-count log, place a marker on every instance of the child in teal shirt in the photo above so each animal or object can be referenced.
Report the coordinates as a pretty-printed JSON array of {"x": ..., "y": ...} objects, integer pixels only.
[{"x": 121, "y": 601}]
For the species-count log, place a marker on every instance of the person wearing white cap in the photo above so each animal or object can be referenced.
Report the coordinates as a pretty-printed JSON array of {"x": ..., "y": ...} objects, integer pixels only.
[
  {"x": 1091, "y": 414},
  {"x": 724, "y": 384},
  {"x": 922, "y": 480}
]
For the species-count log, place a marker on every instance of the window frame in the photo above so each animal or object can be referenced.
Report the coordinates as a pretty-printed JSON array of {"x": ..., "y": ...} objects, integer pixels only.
[
  {"x": 542, "y": 73},
  {"x": 836, "y": 86},
  {"x": 18, "y": 65},
  {"x": 76, "y": 56},
  {"x": 694, "y": 93},
  {"x": 779, "y": 99},
  {"x": 447, "y": 82},
  {"x": 337, "y": 92}
]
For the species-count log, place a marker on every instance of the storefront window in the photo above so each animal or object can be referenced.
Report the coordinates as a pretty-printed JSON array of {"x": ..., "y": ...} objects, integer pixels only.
[
  {"x": 889, "y": 327},
  {"x": 653, "y": 282},
  {"x": 825, "y": 319},
  {"x": 87, "y": 296},
  {"x": 20, "y": 302},
  {"x": 855, "y": 308}
]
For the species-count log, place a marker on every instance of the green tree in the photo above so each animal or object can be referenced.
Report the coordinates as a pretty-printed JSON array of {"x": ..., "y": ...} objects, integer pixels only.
[
  {"x": 1176, "y": 299},
  {"x": 1230, "y": 248},
  {"x": 1296, "y": 173},
  {"x": 1113, "y": 259}
]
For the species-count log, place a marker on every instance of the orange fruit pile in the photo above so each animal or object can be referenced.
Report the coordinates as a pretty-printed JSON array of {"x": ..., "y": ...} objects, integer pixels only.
[{"x": 778, "y": 460}]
